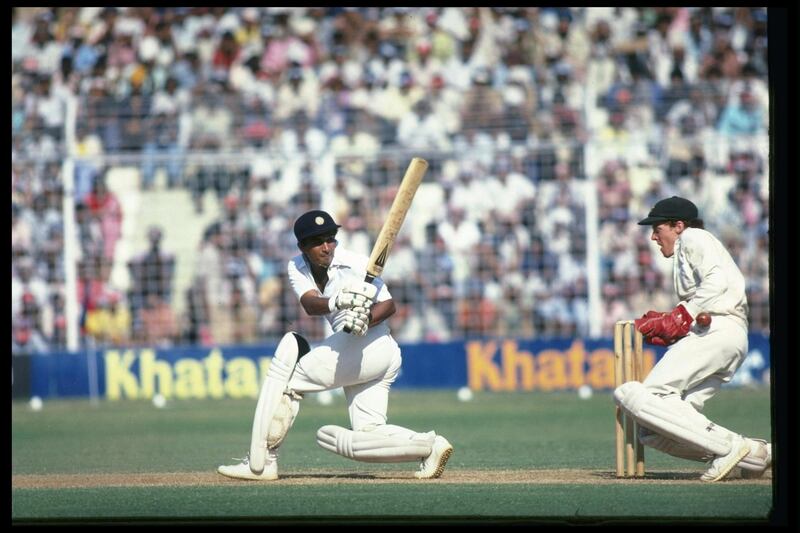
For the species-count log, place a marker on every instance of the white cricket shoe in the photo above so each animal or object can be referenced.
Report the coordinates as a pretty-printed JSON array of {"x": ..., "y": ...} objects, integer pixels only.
[
  {"x": 758, "y": 460},
  {"x": 432, "y": 466},
  {"x": 723, "y": 464},
  {"x": 242, "y": 470}
]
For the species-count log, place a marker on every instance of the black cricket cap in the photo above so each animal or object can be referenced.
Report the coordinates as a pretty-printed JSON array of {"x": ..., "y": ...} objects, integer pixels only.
[
  {"x": 314, "y": 223},
  {"x": 674, "y": 208}
]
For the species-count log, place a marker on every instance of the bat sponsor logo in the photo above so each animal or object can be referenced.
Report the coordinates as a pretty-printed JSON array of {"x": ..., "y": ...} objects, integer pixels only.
[{"x": 380, "y": 261}]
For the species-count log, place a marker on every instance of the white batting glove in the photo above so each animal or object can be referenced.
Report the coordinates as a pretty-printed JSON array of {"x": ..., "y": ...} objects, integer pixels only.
[
  {"x": 354, "y": 321},
  {"x": 356, "y": 294}
]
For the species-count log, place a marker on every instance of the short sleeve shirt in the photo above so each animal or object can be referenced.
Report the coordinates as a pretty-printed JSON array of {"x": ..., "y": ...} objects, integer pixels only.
[{"x": 345, "y": 268}]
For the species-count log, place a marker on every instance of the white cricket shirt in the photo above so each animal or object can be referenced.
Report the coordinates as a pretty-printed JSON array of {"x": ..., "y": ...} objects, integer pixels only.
[
  {"x": 345, "y": 268},
  {"x": 706, "y": 278}
]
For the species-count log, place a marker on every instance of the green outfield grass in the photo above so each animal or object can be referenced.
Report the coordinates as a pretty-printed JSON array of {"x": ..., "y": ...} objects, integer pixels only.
[{"x": 494, "y": 431}]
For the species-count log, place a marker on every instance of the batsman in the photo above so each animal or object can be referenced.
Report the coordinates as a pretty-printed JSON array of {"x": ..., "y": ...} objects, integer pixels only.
[
  {"x": 668, "y": 404},
  {"x": 361, "y": 356}
]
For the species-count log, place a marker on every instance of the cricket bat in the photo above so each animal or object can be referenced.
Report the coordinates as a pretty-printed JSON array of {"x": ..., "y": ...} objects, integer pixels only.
[{"x": 394, "y": 220}]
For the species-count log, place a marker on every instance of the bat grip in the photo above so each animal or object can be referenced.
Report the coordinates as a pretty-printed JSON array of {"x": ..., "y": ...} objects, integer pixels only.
[{"x": 369, "y": 279}]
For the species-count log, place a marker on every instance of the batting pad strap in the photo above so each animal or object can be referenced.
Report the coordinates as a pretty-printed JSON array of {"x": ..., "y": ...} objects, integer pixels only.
[
  {"x": 672, "y": 418},
  {"x": 280, "y": 370},
  {"x": 375, "y": 446}
]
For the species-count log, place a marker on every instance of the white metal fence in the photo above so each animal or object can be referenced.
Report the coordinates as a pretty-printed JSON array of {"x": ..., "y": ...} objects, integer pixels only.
[{"x": 486, "y": 249}]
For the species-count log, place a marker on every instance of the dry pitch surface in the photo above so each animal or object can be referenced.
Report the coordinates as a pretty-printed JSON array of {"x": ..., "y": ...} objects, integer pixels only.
[{"x": 532, "y": 477}]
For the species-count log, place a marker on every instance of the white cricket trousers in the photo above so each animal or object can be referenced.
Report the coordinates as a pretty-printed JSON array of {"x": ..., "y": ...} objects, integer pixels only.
[
  {"x": 697, "y": 365},
  {"x": 365, "y": 367}
]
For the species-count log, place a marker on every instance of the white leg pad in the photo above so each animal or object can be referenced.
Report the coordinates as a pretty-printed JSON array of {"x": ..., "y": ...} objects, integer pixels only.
[
  {"x": 283, "y": 419},
  {"x": 673, "y": 418},
  {"x": 672, "y": 447},
  {"x": 759, "y": 458},
  {"x": 376, "y": 444},
  {"x": 280, "y": 370}
]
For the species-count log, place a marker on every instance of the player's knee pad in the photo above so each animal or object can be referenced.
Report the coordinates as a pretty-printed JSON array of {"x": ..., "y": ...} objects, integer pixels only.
[
  {"x": 283, "y": 419},
  {"x": 290, "y": 348},
  {"x": 629, "y": 395},
  {"x": 672, "y": 447},
  {"x": 673, "y": 418},
  {"x": 376, "y": 445}
]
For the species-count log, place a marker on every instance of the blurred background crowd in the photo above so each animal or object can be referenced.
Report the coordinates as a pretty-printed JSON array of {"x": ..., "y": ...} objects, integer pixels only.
[{"x": 200, "y": 134}]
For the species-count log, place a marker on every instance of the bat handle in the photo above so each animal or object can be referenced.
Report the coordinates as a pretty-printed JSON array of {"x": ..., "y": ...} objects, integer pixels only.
[{"x": 369, "y": 279}]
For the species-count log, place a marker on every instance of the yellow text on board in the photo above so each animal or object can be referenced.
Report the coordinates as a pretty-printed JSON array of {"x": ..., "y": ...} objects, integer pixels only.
[
  {"x": 548, "y": 370},
  {"x": 210, "y": 377},
  {"x": 491, "y": 366}
]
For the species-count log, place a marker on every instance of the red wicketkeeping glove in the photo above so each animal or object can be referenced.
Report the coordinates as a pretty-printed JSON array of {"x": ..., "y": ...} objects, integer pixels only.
[
  {"x": 668, "y": 327},
  {"x": 658, "y": 341},
  {"x": 646, "y": 317},
  {"x": 653, "y": 314}
]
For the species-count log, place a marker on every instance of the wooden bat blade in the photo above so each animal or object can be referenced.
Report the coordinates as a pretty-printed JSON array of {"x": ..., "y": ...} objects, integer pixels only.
[{"x": 394, "y": 219}]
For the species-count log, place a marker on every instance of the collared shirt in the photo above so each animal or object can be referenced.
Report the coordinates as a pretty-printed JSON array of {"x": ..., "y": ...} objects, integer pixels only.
[
  {"x": 706, "y": 278},
  {"x": 345, "y": 268}
]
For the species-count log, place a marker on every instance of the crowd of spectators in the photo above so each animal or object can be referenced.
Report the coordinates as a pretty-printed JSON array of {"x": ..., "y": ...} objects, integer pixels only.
[{"x": 514, "y": 108}]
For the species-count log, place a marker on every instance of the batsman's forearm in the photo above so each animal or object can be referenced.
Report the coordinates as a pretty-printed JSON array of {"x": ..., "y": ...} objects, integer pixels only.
[
  {"x": 381, "y": 311},
  {"x": 314, "y": 304}
]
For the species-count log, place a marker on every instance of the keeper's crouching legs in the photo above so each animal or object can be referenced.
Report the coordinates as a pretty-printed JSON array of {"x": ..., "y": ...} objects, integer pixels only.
[
  {"x": 689, "y": 432},
  {"x": 752, "y": 466},
  {"x": 673, "y": 447}
]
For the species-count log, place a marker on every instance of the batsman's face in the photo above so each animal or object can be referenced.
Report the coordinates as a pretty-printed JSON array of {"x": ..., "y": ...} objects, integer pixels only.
[
  {"x": 320, "y": 249},
  {"x": 666, "y": 236}
]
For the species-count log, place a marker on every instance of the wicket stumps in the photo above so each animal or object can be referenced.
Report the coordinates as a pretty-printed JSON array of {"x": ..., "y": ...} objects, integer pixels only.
[{"x": 628, "y": 366}]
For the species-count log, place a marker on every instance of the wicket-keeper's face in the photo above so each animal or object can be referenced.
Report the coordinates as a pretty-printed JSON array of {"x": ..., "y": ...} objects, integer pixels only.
[
  {"x": 319, "y": 249},
  {"x": 665, "y": 235}
]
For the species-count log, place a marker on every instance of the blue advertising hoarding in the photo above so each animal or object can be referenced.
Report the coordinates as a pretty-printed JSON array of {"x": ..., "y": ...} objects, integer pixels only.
[{"x": 236, "y": 371}]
